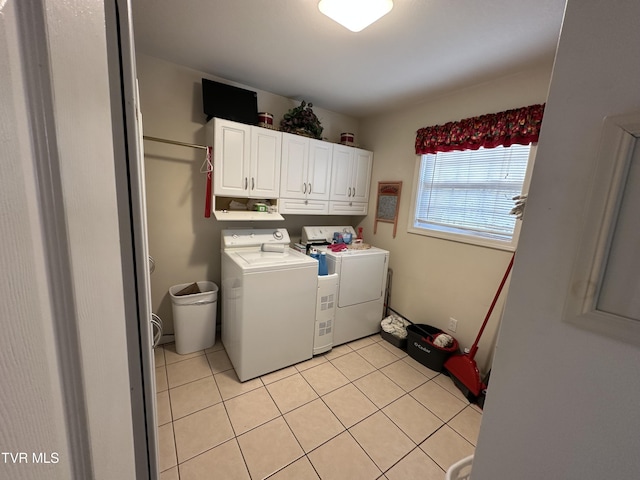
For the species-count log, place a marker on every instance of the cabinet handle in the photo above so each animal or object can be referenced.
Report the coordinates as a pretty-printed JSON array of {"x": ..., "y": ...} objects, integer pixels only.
[
  {"x": 253, "y": 183},
  {"x": 304, "y": 188},
  {"x": 349, "y": 194},
  {"x": 354, "y": 191},
  {"x": 245, "y": 183},
  {"x": 309, "y": 188}
]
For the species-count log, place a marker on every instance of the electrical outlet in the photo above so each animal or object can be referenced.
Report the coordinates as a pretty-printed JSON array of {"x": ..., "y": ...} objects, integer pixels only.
[{"x": 453, "y": 324}]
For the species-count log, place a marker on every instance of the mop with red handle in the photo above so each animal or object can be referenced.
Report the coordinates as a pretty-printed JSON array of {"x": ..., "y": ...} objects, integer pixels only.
[{"x": 462, "y": 368}]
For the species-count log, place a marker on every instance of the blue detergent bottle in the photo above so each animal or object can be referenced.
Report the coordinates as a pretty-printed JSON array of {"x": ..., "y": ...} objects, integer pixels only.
[{"x": 322, "y": 264}]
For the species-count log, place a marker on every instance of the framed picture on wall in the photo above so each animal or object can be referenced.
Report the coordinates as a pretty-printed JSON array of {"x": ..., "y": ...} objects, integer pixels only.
[{"x": 388, "y": 204}]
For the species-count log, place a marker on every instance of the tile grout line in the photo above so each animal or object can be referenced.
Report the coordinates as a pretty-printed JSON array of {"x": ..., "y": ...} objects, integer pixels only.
[
  {"x": 321, "y": 397},
  {"x": 242, "y": 454},
  {"x": 347, "y": 429},
  {"x": 380, "y": 409},
  {"x": 433, "y": 459},
  {"x": 416, "y": 445},
  {"x": 244, "y": 460},
  {"x": 365, "y": 452},
  {"x": 178, "y": 463}
]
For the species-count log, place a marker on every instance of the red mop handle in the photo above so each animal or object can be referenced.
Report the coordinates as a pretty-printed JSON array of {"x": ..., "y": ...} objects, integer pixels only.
[{"x": 474, "y": 347}]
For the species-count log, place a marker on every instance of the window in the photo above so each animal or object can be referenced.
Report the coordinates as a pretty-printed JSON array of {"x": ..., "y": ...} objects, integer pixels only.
[{"x": 467, "y": 195}]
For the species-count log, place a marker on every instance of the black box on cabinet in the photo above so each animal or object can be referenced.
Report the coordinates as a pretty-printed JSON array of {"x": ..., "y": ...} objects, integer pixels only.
[{"x": 231, "y": 103}]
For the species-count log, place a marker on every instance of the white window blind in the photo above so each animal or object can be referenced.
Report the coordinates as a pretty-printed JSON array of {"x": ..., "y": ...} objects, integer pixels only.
[{"x": 471, "y": 192}]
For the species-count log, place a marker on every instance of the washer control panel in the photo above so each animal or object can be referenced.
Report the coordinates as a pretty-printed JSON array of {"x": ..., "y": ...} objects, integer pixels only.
[{"x": 250, "y": 237}]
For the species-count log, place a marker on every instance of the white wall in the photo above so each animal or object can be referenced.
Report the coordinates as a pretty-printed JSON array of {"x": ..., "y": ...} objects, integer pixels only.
[
  {"x": 435, "y": 279},
  {"x": 563, "y": 402},
  {"x": 184, "y": 244}
]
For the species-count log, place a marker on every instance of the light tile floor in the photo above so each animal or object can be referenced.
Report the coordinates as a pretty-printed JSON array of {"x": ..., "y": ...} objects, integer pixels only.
[{"x": 364, "y": 410}]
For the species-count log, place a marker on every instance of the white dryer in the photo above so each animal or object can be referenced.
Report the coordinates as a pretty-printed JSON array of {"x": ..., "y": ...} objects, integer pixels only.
[
  {"x": 362, "y": 282},
  {"x": 268, "y": 294}
]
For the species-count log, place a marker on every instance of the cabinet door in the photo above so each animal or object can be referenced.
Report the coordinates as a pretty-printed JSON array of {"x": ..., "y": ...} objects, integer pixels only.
[
  {"x": 266, "y": 150},
  {"x": 294, "y": 167},
  {"x": 341, "y": 170},
  {"x": 348, "y": 208},
  {"x": 319, "y": 177},
  {"x": 231, "y": 145},
  {"x": 303, "y": 207},
  {"x": 361, "y": 175}
]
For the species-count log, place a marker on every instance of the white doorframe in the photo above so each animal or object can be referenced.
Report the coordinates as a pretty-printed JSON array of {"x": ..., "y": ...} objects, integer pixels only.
[
  {"x": 130, "y": 185},
  {"x": 64, "y": 358}
]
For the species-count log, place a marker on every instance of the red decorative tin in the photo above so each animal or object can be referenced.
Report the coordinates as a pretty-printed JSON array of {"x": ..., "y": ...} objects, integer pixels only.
[
  {"x": 265, "y": 119},
  {"x": 346, "y": 138}
]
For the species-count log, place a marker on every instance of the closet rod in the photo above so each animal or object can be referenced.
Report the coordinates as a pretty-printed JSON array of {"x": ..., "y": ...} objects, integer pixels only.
[{"x": 173, "y": 142}]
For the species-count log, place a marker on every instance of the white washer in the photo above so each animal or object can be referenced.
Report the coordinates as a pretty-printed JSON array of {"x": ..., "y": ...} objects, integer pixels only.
[
  {"x": 362, "y": 281},
  {"x": 268, "y": 301}
]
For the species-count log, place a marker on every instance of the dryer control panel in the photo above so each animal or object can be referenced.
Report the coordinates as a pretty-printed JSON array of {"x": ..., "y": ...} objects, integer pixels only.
[{"x": 324, "y": 234}]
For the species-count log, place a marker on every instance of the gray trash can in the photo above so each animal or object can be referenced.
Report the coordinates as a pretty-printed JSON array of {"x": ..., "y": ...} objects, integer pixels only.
[{"x": 194, "y": 317}]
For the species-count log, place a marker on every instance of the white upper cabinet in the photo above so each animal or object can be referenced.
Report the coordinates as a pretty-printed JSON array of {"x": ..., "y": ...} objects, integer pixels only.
[
  {"x": 362, "y": 165},
  {"x": 319, "y": 178},
  {"x": 295, "y": 166},
  {"x": 305, "y": 174},
  {"x": 231, "y": 146},
  {"x": 246, "y": 160},
  {"x": 341, "y": 172},
  {"x": 351, "y": 174},
  {"x": 266, "y": 149}
]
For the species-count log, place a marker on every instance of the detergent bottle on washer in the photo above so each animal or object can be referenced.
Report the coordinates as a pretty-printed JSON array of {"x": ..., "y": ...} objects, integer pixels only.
[{"x": 322, "y": 264}]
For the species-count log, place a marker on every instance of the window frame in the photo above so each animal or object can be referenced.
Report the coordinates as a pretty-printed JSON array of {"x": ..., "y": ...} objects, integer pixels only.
[{"x": 453, "y": 234}]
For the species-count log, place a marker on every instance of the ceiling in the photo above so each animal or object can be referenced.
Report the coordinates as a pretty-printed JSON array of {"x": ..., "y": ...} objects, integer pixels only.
[{"x": 421, "y": 49}]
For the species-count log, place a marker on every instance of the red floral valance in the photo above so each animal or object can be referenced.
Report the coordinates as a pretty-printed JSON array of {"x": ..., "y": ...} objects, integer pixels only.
[{"x": 519, "y": 126}]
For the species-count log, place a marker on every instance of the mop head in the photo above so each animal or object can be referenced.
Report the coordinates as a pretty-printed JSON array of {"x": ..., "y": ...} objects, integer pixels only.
[
  {"x": 443, "y": 340},
  {"x": 395, "y": 325}
]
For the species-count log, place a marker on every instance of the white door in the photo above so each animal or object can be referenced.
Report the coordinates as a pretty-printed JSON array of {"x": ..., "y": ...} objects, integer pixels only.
[
  {"x": 362, "y": 164},
  {"x": 294, "y": 166},
  {"x": 564, "y": 396},
  {"x": 266, "y": 150},
  {"x": 319, "y": 178},
  {"x": 362, "y": 279},
  {"x": 341, "y": 169},
  {"x": 132, "y": 213},
  {"x": 231, "y": 158},
  {"x": 67, "y": 369}
]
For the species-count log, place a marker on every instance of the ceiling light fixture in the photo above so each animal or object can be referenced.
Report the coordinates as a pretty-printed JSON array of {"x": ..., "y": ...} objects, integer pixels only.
[{"x": 355, "y": 15}]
